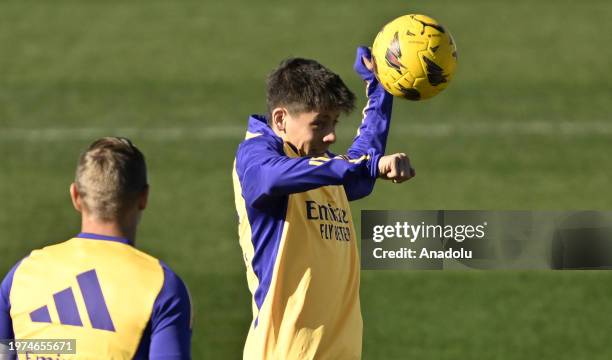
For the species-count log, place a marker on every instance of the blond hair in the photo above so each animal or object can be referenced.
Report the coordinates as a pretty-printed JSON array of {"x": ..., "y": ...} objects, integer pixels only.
[{"x": 110, "y": 175}]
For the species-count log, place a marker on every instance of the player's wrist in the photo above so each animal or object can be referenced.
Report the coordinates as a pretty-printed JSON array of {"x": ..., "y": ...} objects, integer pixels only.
[
  {"x": 373, "y": 163},
  {"x": 363, "y": 64}
]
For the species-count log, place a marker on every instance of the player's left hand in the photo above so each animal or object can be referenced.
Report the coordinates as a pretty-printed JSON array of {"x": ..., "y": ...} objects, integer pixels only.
[
  {"x": 395, "y": 167},
  {"x": 363, "y": 63}
]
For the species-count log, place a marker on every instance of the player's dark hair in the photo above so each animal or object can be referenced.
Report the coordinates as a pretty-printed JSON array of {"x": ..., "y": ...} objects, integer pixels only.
[
  {"x": 110, "y": 175},
  {"x": 304, "y": 85}
]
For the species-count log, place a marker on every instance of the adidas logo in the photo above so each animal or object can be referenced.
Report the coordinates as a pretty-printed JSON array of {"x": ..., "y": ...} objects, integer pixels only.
[{"x": 66, "y": 307}]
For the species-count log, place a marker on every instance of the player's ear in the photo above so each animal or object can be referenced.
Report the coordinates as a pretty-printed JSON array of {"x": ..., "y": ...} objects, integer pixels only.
[
  {"x": 75, "y": 197},
  {"x": 143, "y": 199},
  {"x": 278, "y": 118}
]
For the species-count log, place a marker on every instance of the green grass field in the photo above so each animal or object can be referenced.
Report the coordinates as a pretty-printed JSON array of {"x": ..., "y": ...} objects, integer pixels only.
[{"x": 525, "y": 124}]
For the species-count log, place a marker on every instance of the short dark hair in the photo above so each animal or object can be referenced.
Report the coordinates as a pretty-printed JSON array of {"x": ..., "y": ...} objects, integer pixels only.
[
  {"x": 304, "y": 85},
  {"x": 110, "y": 175}
]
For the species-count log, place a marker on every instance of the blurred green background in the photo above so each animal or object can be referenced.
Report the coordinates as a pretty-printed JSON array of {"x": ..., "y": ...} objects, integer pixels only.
[{"x": 525, "y": 124}]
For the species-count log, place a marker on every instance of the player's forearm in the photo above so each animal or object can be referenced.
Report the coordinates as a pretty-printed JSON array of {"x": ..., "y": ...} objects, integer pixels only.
[{"x": 374, "y": 129}]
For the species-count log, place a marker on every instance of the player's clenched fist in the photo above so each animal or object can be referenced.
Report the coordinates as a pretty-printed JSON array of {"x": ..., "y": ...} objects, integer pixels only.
[{"x": 395, "y": 167}]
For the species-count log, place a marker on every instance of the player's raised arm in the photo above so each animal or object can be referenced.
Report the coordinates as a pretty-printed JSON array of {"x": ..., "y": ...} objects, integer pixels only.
[{"x": 374, "y": 129}]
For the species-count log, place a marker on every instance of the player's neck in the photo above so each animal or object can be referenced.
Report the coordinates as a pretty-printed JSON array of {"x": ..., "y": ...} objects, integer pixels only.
[
  {"x": 110, "y": 228},
  {"x": 283, "y": 136}
]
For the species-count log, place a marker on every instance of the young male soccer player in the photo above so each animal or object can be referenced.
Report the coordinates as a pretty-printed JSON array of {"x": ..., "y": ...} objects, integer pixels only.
[
  {"x": 97, "y": 288},
  {"x": 296, "y": 229}
]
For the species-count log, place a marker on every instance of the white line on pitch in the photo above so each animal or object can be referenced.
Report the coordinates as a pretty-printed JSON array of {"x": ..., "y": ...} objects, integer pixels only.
[{"x": 230, "y": 132}]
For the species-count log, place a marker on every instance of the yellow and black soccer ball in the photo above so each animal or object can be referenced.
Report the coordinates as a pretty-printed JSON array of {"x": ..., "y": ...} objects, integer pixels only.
[{"x": 414, "y": 57}]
